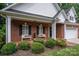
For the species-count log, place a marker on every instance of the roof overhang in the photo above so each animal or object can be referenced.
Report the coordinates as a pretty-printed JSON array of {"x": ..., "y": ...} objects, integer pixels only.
[{"x": 26, "y": 16}]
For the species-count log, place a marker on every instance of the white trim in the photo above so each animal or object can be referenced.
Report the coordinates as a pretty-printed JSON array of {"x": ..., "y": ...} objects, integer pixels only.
[
  {"x": 24, "y": 16},
  {"x": 64, "y": 31},
  {"x": 8, "y": 29},
  {"x": 74, "y": 10},
  {"x": 9, "y": 6},
  {"x": 24, "y": 29},
  {"x": 48, "y": 31},
  {"x": 54, "y": 30}
]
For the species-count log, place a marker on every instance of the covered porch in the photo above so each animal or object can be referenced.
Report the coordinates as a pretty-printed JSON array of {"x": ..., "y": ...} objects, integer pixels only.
[
  {"x": 18, "y": 29},
  {"x": 23, "y": 30}
]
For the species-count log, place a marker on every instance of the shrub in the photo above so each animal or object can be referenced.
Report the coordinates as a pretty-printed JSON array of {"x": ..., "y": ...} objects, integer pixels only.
[
  {"x": 61, "y": 42},
  {"x": 50, "y": 43},
  {"x": 2, "y": 39},
  {"x": 8, "y": 48},
  {"x": 73, "y": 51},
  {"x": 24, "y": 45},
  {"x": 39, "y": 40},
  {"x": 37, "y": 47}
]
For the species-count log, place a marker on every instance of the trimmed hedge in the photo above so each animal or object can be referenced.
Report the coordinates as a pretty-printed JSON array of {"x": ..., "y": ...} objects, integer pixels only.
[
  {"x": 8, "y": 48},
  {"x": 39, "y": 40},
  {"x": 50, "y": 43},
  {"x": 24, "y": 45},
  {"x": 37, "y": 48}
]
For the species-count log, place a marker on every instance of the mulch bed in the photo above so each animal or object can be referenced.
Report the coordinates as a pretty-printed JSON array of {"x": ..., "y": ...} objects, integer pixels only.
[{"x": 29, "y": 53}]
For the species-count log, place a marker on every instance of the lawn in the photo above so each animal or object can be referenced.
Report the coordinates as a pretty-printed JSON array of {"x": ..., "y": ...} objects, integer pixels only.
[{"x": 72, "y": 51}]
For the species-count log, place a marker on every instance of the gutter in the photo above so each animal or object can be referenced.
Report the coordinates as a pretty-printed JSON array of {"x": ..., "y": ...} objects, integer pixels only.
[{"x": 21, "y": 15}]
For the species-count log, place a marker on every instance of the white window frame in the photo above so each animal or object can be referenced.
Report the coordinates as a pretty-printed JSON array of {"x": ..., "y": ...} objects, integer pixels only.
[
  {"x": 40, "y": 29},
  {"x": 25, "y": 29}
]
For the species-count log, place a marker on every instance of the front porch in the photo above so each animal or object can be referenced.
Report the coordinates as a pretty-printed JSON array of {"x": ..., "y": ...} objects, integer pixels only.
[{"x": 24, "y": 30}]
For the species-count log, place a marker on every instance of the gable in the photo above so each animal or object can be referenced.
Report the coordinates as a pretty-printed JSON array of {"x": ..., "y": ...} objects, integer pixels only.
[
  {"x": 71, "y": 14},
  {"x": 61, "y": 17},
  {"x": 44, "y": 9}
]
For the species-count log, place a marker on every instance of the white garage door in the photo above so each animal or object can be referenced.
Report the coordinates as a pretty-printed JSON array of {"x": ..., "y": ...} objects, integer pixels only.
[{"x": 71, "y": 33}]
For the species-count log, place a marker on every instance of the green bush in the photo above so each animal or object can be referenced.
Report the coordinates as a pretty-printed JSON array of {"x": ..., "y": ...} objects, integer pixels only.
[
  {"x": 23, "y": 45},
  {"x": 8, "y": 48},
  {"x": 50, "y": 43},
  {"x": 2, "y": 40},
  {"x": 39, "y": 40},
  {"x": 61, "y": 42},
  {"x": 1, "y": 43},
  {"x": 73, "y": 51},
  {"x": 37, "y": 47}
]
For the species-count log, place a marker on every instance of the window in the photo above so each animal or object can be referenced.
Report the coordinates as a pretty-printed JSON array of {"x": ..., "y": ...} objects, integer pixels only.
[
  {"x": 41, "y": 29},
  {"x": 71, "y": 18},
  {"x": 25, "y": 29}
]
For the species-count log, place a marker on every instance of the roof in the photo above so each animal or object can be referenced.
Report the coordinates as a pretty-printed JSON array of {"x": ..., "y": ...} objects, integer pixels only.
[
  {"x": 67, "y": 10},
  {"x": 61, "y": 11},
  {"x": 8, "y": 7},
  {"x": 8, "y": 10}
]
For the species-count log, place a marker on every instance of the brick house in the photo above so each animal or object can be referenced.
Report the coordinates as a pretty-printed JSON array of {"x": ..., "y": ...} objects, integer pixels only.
[{"x": 43, "y": 20}]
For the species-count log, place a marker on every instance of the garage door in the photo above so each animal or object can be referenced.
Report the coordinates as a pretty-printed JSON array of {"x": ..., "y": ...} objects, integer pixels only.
[{"x": 71, "y": 33}]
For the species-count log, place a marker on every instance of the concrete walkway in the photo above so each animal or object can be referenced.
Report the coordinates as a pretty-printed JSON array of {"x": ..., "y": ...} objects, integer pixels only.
[
  {"x": 75, "y": 41},
  {"x": 72, "y": 42}
]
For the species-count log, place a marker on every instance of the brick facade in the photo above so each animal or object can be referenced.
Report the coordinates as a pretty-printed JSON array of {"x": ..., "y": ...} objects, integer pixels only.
[{"x": 15, "y": 36}]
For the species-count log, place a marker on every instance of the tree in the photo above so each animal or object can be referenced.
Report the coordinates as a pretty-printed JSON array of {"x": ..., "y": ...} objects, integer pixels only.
[{"x": 2, "y": 26}]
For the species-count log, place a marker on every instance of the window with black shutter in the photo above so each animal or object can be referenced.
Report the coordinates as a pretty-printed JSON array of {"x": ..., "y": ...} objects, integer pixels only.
[
  {"x": 50, "y": 31},
  {"x": 29, "y": 29},
  {"x": 43, "y": 30},
  {"x": 37, "y": 30},
  {"x": 26, "y": 29},
  {"x": 20, "y": 29}
]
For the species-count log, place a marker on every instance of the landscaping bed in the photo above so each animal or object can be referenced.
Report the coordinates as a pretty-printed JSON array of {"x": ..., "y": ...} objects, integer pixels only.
[
  {"x": 38, "y": 47},
  {"x": 29, "y": 53}
]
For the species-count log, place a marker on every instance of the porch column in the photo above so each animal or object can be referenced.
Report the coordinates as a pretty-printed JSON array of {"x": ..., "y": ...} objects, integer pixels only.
[
  {"x": 8, "y": 29},
  {"x": 54, "y": 30},
  {"x": 64, "y": 31}
]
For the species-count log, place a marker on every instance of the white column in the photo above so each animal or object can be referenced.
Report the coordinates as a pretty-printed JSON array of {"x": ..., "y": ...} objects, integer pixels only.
[
  {"x": 64, "y": 31},
  {"x": 54, "y": 30},
  {"x": 8, "y": 29}
]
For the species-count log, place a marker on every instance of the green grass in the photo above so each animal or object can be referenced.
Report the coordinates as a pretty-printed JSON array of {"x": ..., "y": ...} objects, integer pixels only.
[{"x": 73, "y": 51}]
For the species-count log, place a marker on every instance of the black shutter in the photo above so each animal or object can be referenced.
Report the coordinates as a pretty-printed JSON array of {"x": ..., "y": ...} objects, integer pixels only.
[
  {"x": 43, "y": 30},
  {"x": 50, "y": 31},
  {"x": 29, "y": 29},
  {"x": 20, "y": 29},
  {"x": 37, "y": 30}
]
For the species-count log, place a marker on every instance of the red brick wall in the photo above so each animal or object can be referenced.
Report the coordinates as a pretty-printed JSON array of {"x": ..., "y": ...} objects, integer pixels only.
[{"x": 15, "y": 28}]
